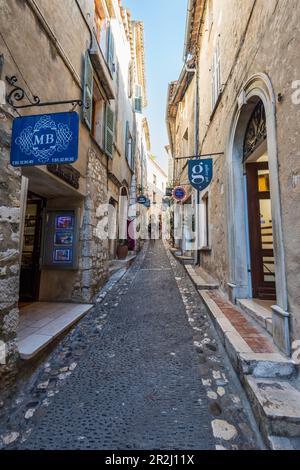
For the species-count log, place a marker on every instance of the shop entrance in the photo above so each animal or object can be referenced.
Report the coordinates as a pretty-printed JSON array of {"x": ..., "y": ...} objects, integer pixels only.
[{"x": 31, "y": 249}]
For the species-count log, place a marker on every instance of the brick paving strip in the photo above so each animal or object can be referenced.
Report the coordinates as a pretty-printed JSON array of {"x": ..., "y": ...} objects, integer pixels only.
[
  {"x": 144, "y": 370},
  {"x": 255, "y": 340}
]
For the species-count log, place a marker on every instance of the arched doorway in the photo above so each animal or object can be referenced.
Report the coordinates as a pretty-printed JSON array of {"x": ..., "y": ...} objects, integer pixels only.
[
  {"x": 259, "y": 206},
  {"x": 123, "y": 213},
  {"x": 256, "y": 92}
]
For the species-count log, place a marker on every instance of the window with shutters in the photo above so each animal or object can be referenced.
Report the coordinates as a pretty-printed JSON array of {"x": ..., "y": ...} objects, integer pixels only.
[
  {"x": 88, "y": 92},
  {"x": 98, "y": 115},
  {"x": 109, "y": 131},
  {"x": 215, "y": 77},
  {"x": 138, "y": 99}
]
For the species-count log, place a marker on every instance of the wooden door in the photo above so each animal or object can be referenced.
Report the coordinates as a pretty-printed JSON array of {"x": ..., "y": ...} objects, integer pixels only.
[
  {"x": 261, "y": 231},
  {"x": 30, "y": 266}
]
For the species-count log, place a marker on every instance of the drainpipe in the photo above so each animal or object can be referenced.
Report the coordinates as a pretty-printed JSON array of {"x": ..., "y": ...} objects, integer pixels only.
[
  {"x": 197, "y": 152},
  {"x": 196, "y": 145}
]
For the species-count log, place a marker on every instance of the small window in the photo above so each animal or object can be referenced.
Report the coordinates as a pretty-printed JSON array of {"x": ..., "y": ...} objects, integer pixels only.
[
  {"x": 138, "y": 100},
  {"x": 154, "y": 197},
  {"x": 154, "y": 180}
]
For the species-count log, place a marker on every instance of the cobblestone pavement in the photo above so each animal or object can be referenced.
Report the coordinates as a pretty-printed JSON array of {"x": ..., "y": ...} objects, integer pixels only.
[{"x": 143, "y": 370}]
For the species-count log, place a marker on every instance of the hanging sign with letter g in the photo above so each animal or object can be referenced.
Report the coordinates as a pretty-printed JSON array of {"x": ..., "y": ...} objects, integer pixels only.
[{"x": 200, "y": 173}]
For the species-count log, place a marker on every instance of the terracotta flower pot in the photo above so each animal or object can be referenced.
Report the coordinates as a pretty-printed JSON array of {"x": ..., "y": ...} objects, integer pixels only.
[{"x": 122, "y": 251}]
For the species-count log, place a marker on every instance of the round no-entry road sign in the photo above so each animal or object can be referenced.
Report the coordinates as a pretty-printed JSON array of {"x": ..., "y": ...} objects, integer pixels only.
[{"x": 179, "y": 193}]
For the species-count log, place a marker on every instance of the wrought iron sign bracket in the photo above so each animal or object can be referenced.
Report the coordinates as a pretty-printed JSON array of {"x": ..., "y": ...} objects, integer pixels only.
[
  {"x": 17, "y": 94},
  {"x": 200, "y": 156}
]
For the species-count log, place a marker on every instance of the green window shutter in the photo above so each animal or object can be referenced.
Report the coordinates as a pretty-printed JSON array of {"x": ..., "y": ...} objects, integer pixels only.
[
  {"x": 126, "y": 141},
  {"x": 111, "y": 51},
  {"x": 88, "y": 92},
  {"x": 138, "y": 100},
  {"x": 109, "y": 131}
]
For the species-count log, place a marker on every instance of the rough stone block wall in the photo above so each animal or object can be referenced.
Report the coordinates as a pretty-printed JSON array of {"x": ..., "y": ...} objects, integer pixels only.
[
  {"x": 93, "y": 260},
  {"x": 10, "y": 185}
]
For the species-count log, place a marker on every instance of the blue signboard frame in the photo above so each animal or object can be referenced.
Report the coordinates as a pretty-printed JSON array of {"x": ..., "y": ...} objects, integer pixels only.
[
  {"x": 201, "y": 173},
  {"x": 45, "y": 139}
]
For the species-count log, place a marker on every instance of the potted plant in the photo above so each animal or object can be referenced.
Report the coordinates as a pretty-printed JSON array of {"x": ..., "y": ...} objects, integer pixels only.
[{"x": 122, "y": 249}]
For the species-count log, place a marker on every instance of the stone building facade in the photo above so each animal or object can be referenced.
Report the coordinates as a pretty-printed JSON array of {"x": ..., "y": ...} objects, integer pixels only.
[
  {"x": 182, "y": 132},
  {"x": 71, "y": 50},
  {"x": 246, "y": 57}
]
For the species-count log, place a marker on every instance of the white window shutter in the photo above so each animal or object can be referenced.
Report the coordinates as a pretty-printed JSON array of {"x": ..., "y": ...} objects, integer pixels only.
[
  {"x": 109, "y": 131},
  {"x": 88, "y": 92}
]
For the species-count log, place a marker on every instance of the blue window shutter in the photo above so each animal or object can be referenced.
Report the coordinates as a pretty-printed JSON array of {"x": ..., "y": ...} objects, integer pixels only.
[
  {"x": 109, "y": 131},
  {"x": 132, "y": 154},
  {"x": 138, "y": 100},
  {"x": 111, "y": 51},
  {"x": 88, "y": 92}
]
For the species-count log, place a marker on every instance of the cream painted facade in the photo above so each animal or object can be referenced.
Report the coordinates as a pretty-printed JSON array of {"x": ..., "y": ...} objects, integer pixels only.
[
  {"x": 156, "y": 183},
  {"x": 82, "y": 50},
  {"x": 246, "y": 56}
]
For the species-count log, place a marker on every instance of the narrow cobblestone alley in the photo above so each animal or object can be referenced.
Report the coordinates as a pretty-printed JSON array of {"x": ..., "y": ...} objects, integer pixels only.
[{"x": 144, "y": 370}]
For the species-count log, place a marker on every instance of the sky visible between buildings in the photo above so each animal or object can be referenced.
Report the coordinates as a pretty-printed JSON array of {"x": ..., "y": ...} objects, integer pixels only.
[{"x": 164, "y": 23}]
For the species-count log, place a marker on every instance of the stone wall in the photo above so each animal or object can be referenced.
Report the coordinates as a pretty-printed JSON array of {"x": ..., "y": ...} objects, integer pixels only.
[
  {"x": 93, "y": 261},
  {"x": 10, "y": 185},
  {"x": 255, "y": 37}
]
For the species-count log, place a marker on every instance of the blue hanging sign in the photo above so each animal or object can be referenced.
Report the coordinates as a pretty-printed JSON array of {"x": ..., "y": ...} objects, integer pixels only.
[
  {"x": 145, "y": 201},
  {"x": 45, "y": 139},
  {"x": 200, "y": 173},
  {"x": 141, "y": 199}
]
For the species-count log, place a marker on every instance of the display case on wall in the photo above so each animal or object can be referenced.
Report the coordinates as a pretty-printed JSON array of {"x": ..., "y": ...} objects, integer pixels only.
[{"x": 61, "y": 240}]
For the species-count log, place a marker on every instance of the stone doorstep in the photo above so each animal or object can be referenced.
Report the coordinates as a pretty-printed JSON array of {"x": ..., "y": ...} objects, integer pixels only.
[
  {"x": 34, "y": 343},
  {"x": 202, "y": 281},
  {"x": 277, "y": 404},
  {"x": 259, "y": 313},
  {"x": 244, "y": 359}
]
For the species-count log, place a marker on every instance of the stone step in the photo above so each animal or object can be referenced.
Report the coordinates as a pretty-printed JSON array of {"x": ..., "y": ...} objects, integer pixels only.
[
  {"x": 264, "y": 364},
  {"x": 283, "y": 443},
  {"x": 267, "y": 365},
  {"x": 276, "y": 404},
  {"x": 260, "y": 311},
  {"x": 201, "y": 279}
]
